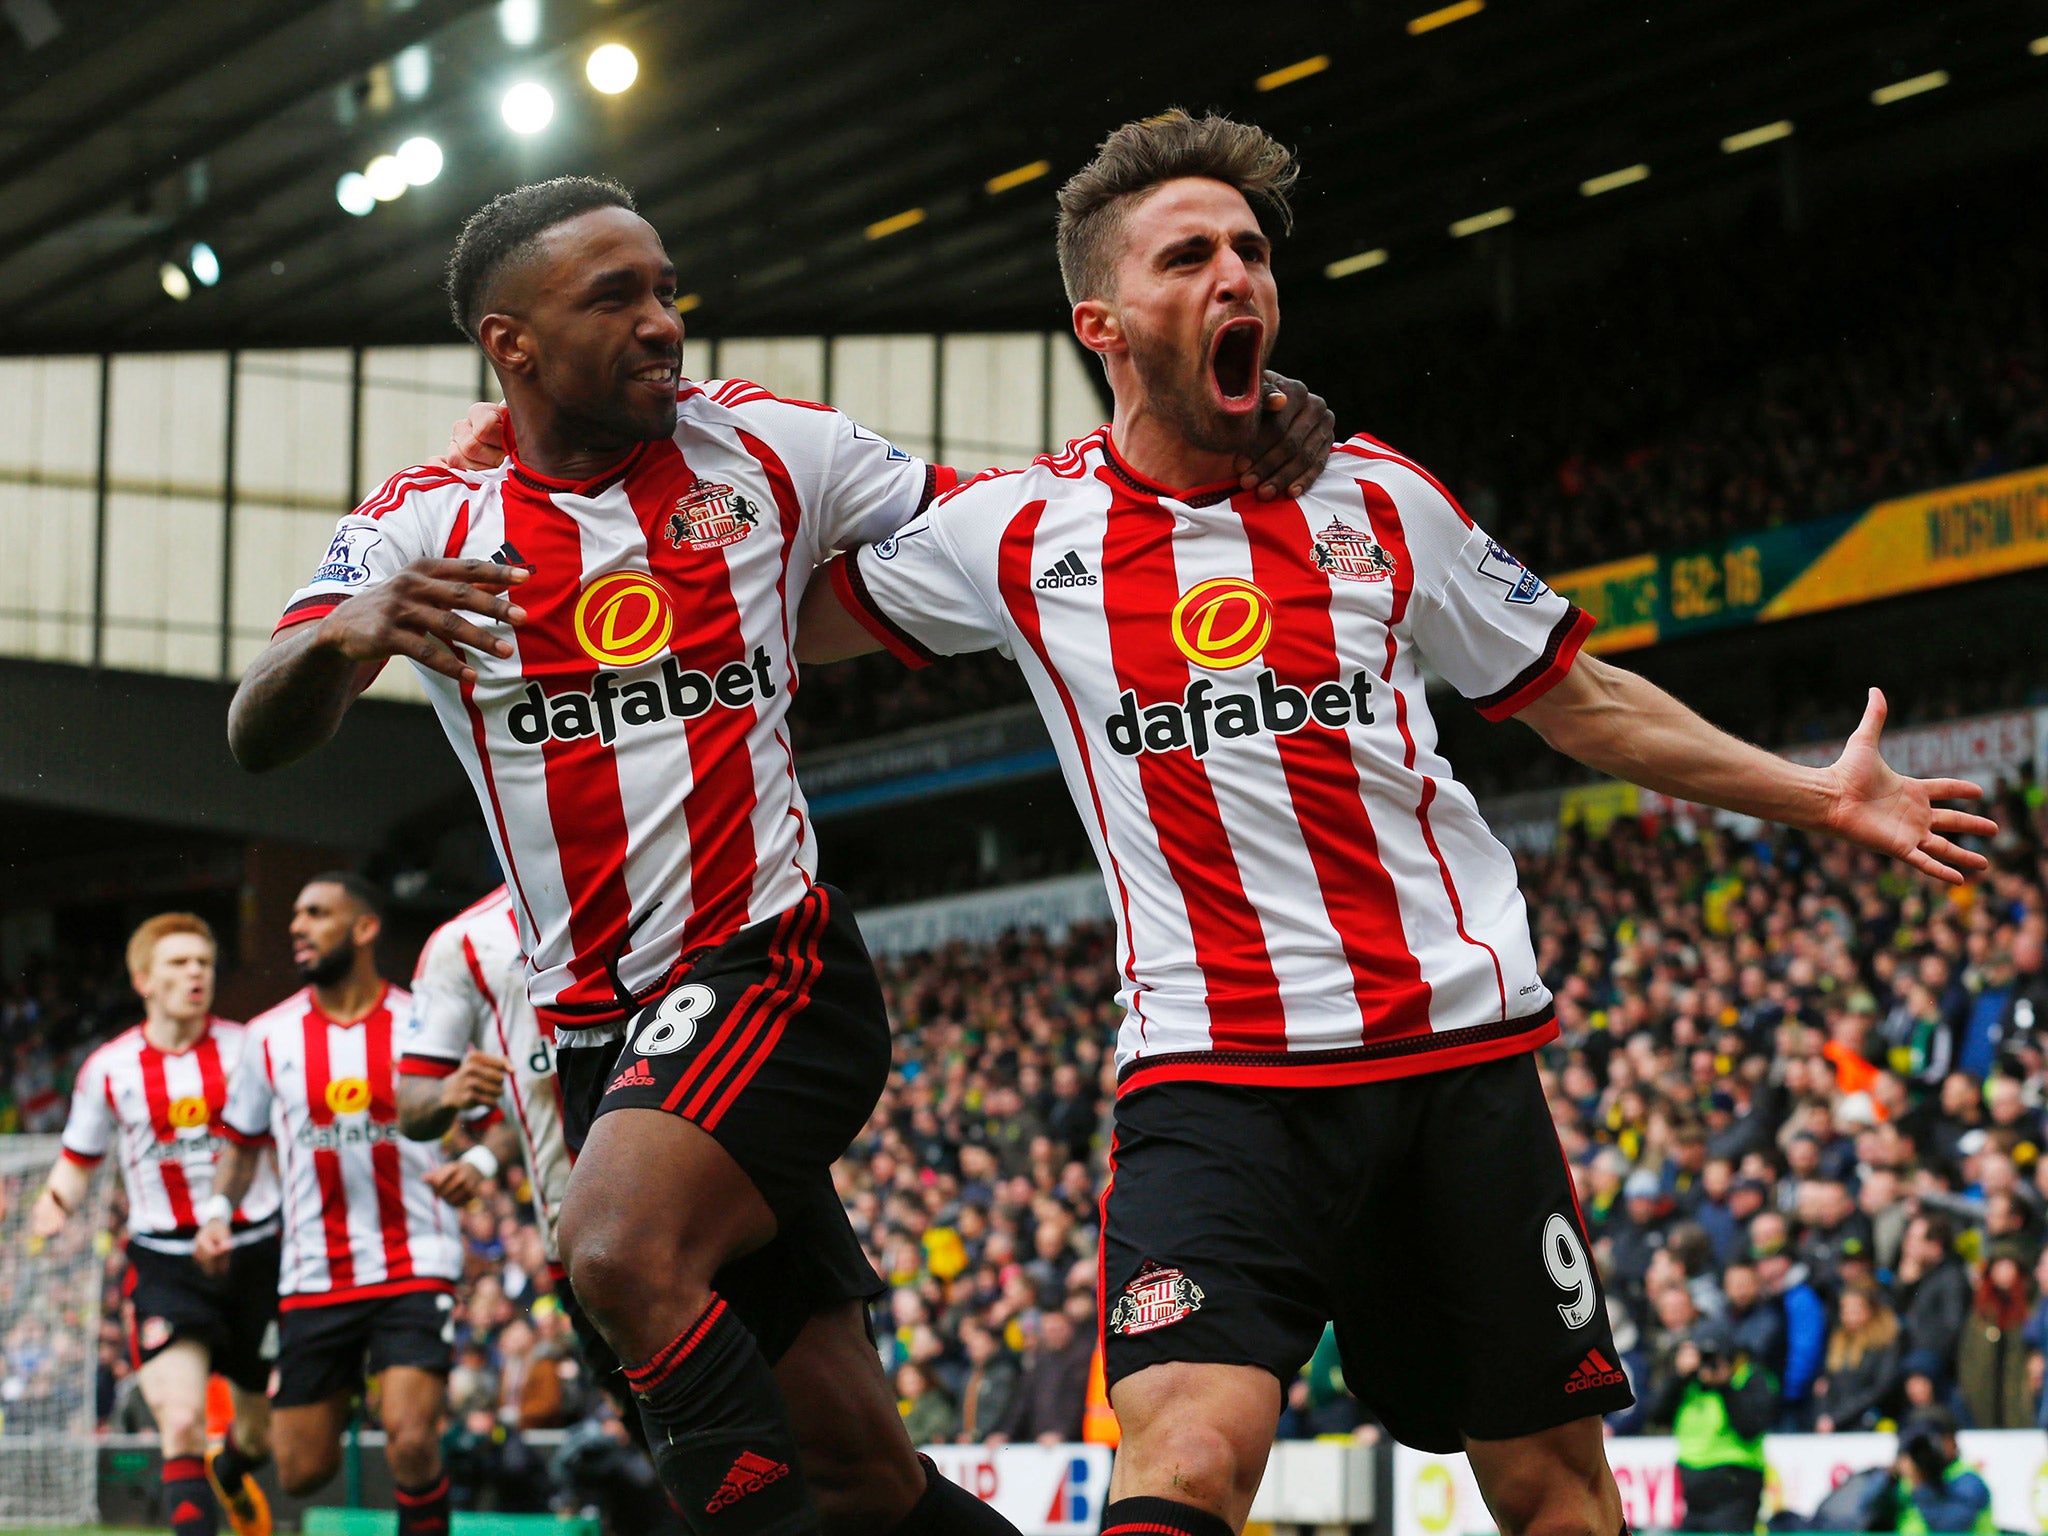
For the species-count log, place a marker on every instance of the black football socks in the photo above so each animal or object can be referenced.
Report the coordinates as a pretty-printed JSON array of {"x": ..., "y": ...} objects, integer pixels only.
[
  {"x": 423, "y": 1511},
  {"x": 947, "y": 1509},
  {"x": 719, "y": 1434},
  {"x": 189, "y": 1504},
  {"x": 1161, "y": 1517}
]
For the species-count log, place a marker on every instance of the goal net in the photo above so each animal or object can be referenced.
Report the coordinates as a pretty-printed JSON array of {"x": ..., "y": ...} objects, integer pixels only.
[{"x": 49, "y": 1346}]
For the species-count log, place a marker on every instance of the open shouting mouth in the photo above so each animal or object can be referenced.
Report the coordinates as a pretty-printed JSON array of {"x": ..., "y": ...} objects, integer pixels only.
[{"x": 1234, "y": 355}]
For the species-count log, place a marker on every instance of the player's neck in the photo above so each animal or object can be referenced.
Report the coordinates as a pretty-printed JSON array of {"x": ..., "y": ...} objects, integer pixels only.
[
  {"x": 551, "y": 446},
  {"x": 351, "y": 997},
  {"x": 1156, "y": 449},
  {"x": 170, "y": 1035}
]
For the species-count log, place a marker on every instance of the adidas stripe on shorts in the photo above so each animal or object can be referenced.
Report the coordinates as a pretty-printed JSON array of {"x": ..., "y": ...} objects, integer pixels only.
[
  {"x": 777, "y": 1043},
  {"x": 1431, "y": 1218}
]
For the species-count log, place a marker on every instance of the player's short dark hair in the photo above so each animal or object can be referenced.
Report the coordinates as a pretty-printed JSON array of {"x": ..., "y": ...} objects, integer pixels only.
[
  {"x": 1142, "y": 156},
  {"x": 366, "y": 894},
  {"x": 500, "y": 236}
]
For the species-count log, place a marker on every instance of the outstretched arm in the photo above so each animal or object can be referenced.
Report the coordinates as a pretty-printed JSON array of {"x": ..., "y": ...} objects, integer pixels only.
[
  {"x": 293, "y": 696},
  {"x": 1626, "y": 726}
]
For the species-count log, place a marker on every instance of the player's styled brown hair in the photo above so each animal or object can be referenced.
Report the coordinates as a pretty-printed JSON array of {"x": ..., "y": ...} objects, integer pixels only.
[
  {"x": 1138, "y": 158},
  {"x": 143, "y": 941}
]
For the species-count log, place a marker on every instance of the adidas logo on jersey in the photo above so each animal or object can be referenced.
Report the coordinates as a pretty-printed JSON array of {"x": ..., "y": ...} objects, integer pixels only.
[
  {"x": 749, "y": 1474},
  {"x": 635, "y": 1076},
  {"x": 607, "y": 706},
  {"x": 1596, "y": 1370},
  {"x": 1204, "y": 716},
  {"x": 1067, "y": 571}
]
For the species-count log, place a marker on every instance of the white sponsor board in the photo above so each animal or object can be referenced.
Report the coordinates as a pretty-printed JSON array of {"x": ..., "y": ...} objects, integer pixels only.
[
  {"x": 1054, "y": 905},
  {"x": 1436, "y": 1495},
  {"x": 1981, "y": 749},
  {"x": 1043, "y": 1490}
]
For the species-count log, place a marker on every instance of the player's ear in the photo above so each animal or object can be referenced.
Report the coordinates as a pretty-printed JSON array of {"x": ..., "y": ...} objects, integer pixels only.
[
  {"x": 1098, "y": 327},
  {"x": 506, "y": 342}
]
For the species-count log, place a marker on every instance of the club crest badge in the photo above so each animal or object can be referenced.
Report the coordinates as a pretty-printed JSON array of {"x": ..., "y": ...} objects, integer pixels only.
[
  {"x": 711, "y": 516},
  {"x": 1156, "y": 1298},
  {"x": 1351, "y": 555}
]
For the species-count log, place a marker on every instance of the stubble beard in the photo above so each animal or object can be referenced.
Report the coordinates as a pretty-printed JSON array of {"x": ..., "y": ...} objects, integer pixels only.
[{"x": 1182, "y": 399}]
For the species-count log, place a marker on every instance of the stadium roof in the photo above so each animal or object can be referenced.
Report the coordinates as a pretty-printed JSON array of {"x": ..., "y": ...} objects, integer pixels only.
[{"x": 842, "y": 167}]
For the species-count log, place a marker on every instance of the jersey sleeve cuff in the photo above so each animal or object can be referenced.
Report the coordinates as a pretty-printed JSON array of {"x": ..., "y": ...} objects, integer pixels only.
[
  {"x": 852, "y": 588},
  {"x": 242, "y": 1138},
  {"x": 308, "y": 609},
  {"x": 938, "y": 479},
  {"x": 410, "y": 1065},
  {"x": 82, "y": 1159},
  {"x": 1545, "y": 672}
]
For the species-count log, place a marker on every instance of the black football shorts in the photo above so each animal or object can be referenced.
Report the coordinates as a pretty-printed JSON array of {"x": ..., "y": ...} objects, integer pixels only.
[
  {"x": 333, "y": 1349},
  {"x": 168, "y": 1297},
  {"x": 1432, "y": 1218},
  {"x": 777, "y": 1043}
]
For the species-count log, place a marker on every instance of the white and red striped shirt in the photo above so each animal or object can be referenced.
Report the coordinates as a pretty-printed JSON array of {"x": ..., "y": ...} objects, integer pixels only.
[
  {"x": 469, "y": 993},
  {"x": 631, "y": 757},
  {"x": 1305, "y": 893},
  {"x": 163, "y": 1110},
  {"x": 359, "y": 1219}
]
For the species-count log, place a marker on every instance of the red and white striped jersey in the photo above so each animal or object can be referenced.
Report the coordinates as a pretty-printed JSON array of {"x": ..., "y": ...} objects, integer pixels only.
[
  {"x": 163, "y": 1110},
  {"x": 1305, "y": 893},
  {"x": 359, "y": 1219},
  {"x": 631, "y": 757},
  {"x": 469, "y": 992}
]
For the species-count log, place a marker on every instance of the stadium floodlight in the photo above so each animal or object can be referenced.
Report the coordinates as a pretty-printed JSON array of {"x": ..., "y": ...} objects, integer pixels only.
[
  {"x": 354, "y": 194},
  {"x": 1021, "y": 176},
  {"x": 1364, "y": 261},
  {"x": 412, "y": 71},
  {"x": 1287, "y": 74},
  {"x": 2038, "y": 47},
  {"x": 386, "y": 178},
  {"x": 1493, "y": 218},
  {"x": 688, "y": 302},
  {"x": 895, "y": 224},
  {"x": 174, "y": 281},
  {"x": 1750, "y": 138},
  {"x": 519, "y": 22},
  {"x": 204, "y": 263},
  {"x": 419, "y": 158},
  {"x": 1899, "y": 90},
  {"x": 527, "y": 107},
  {"x": 1429, "y": 21},
  {"x": 1627, "y": 176},
  {"x": 611, "y": 68}
]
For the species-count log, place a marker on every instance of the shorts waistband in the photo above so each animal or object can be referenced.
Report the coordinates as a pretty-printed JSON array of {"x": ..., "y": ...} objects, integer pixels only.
[
  {"x": 1409, "y": 1056},
  {"x": 180, "y": 1243}
]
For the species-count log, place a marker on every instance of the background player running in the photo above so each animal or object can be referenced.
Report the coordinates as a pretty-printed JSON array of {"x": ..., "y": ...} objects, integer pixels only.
[
  {"x": 622, "y": 723},
  {"x": 371, "y": 1249},
  {"x": 475, "y": 1043},
  {"x": 155, "y": 1094},
  {"x": 1327, "y": 1103}
]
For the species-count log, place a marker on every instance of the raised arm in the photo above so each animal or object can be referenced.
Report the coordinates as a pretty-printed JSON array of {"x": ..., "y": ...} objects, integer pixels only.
[
  {"x": 428, "y": 1106},
  {"x": 293, "y": 696},
  {"x": 1626, "y": 726}
]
